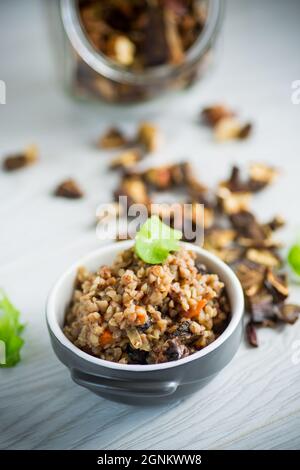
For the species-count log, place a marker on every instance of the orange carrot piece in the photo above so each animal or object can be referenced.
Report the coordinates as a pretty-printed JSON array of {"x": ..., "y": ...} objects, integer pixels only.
[
  {"x": 140, "y": 318},
  {"x": 194, "y": 312},
  {"x": 106, "y": 338}
]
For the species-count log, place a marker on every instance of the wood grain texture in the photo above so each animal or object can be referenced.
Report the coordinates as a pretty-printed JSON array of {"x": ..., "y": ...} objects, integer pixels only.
[{"x": 254, "y": 402}]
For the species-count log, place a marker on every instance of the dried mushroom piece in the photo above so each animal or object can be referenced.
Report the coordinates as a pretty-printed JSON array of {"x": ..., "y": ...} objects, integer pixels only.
[
  {"x": 276, "y": 284},
  {"x": 276, "y": 223},
  {"x": 251, "y": 334},
  {"x": 172, "y": 34},
  {"x": 135, "y": 189},
  {"x": 121, "y": 49},
  {"x": 69, "y": 189},
  {"x": 261, "y": 175},
  {"x": 264, "y": 257},
  {"x": 247, "y": 226},
  {"x": 21, "y": 160},
  {"x": 211, "y": 115},
  {"x": 225, "y": 124},
  {"x": 126, "y": 160},
  {"x": 112, "y": 138},
  {"x": 263, "y": 311},
  {"x": 159, "y": 178},
  {"x": 289, "y": 313},
  {"x": 220, "y": 237},
  {"x": 232, "y": 203},
  {"x": 245, "y": 130},
  {"x": 141, "y": 34},
  {"x": 230, "y": 128},
  {"x": 251, "y": 277},
  {"x": 149, "y": 136}
]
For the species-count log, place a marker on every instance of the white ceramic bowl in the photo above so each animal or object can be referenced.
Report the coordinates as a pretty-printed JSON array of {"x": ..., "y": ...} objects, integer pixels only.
[{"x": 143, "y": 384}]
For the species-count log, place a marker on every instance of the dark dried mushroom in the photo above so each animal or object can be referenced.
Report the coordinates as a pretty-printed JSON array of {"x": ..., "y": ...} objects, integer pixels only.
[
  {"x": 183, "y": 330},
  {"x": 251, "y": 277},
  {"x": 261, "y": 175},
  {"x": 175, "y": 350},
  {"x": 263, "y": 311},
  {"x": 139, "y": 34},
  {"x": 136, "y": 356},
  {"x": 276, "y": 284},
  {"x": 21, "y": 160},
  {"x": 276, "y": 223},
  {"x": 69, "y": 189},
  {"x": 112, "y": 138},
  {"x": 211, "y": 115},
  {"x": 246, "y": 225},
  {"x": 251, "y": 334},
  {"x": 245, "y": 130}
]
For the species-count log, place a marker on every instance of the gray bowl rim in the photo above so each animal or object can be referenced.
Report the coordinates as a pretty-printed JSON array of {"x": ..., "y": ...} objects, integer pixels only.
[{"x": 56, "y": 330}]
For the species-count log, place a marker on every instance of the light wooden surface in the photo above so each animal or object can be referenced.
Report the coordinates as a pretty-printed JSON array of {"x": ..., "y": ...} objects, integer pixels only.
[{"x": 254, "y": 402}]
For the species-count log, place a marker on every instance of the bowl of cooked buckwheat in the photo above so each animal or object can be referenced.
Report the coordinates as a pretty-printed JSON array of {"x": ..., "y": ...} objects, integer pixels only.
[{"x": 145, "y": 322}]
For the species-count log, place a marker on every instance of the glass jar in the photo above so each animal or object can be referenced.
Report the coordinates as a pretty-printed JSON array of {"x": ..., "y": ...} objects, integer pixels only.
[{"x": 91, "y": 74}]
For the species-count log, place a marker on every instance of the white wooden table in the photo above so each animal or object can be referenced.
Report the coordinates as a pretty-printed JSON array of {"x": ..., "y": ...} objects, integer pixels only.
[{"x": 254, "y": 402}]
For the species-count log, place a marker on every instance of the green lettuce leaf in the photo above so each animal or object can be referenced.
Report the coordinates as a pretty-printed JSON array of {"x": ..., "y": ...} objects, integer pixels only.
[
  {"x": 155, "y": 240},
  {"x": 10, "y": 331}
]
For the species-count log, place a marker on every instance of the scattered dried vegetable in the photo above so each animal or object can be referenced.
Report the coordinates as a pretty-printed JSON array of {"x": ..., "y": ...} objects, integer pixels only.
[
  {"x": 139, "y": 34},
  {"x": 232, "y": 232},
  {"x": 225, "y": 124},
  {"x": 20, "y": 160},
  {"x": 147, "y": 139},
  {"x": 127, "y": 159},
  {"x": 112, "y": 138},
  {"x": 69, "y": 189}
]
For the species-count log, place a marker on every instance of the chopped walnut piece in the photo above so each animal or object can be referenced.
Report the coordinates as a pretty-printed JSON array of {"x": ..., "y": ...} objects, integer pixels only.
[
  {"x": 121, "y": 49},
  {"x": 213, "y": 114},
  {"x": 127, "y": 159},
  {"x": 149, "y": 136},
  {"x": 113, "y": 138},
  {"x": 69, "y": 189},
  {"x": 21, "y": 160}
]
